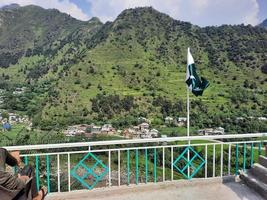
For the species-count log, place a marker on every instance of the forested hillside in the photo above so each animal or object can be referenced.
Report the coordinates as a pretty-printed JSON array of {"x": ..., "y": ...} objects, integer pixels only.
[{"x": 82, "y": 72}]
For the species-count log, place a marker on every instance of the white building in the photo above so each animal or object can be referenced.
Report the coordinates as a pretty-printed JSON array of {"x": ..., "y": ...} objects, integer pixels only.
[
  {"x": 19, "y": 90},
  {"x": 181, "y": 121},
  {"x": 95, "y": 129},
  {"x": 12, "y": 117},
  {"x": 75, "y": 130},
  {"x": 154, "y": 133},
  {"x": 211, "y": 131},
  {"x": 144, "y": 126},
  {"x": 107, "y": 128},
  {"x": 168, "y": 120},
  {"x": 262, "y": 118}
]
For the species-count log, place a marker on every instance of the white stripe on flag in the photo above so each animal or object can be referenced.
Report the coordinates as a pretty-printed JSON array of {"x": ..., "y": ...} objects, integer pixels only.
[{"x": 190, "y": 60}]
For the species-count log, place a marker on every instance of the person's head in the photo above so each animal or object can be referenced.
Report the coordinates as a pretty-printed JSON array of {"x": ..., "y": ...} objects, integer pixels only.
[{"x": 16, "y": 155}]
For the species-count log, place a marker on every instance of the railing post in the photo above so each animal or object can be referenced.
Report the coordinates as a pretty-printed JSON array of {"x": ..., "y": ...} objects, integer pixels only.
[
  {"x": 172, "y": 163},
  {"x": 214, "y": 154},
  {"x": 163, "y": 164},
  {"x": 48, "y": 173},
  {"x": 109, "y": 168},
  {"x": 119, "y": 167},
  {"x": 69, "y": 188},
  {"x": 236, "y": 160},
  {"x": 37, "y": 172},
  {"x": 146, "y": 163},
  {"x": 136, "y": 166},
  {"x": 252, "y": 155},
  {"x": 259, "y": 154},
  {"x": 229, "y": 159},
  {"x": 188, "y": 158},
  {"x": 26, "y": 160},
  {"x": 128, "y": 166},
  {"x": 244, "y": 156},
  {"x": 155, "y": 165},
  {"x": 222, "y": 160},
  {"x": 206, "y": 161},
  {"x": 58, "y": 173}
]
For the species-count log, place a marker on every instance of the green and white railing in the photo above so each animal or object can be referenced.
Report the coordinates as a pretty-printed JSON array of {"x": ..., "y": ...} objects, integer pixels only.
[{"x": 74, "y": 166}]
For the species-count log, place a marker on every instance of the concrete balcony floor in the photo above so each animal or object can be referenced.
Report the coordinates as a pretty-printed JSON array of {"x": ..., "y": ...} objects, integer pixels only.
[{"x": 211, "y": 189}]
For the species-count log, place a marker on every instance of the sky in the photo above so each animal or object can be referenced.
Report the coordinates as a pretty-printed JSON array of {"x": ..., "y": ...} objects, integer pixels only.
[{"x": 199, "y": 12}]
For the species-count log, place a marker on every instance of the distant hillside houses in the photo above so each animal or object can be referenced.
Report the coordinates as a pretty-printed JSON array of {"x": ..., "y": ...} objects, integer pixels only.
[
  {"x": 89, "y": 130},
  {"x": 140, "y": 131},
  {"x": 143, "y": 119},
  {"x": 262, "y": 118},
  {"x": 211, "y": 131},
  {"x": 9, "y": 119},
  {"x": 14, "y": 118},
  {"x": 251, "y": 117},
  {"x": 19, "y": 90},
  {"x": 180, "y": 121}
]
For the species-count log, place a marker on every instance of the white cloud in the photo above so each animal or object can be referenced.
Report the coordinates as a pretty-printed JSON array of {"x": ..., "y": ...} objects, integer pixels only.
[
  {"x": 201, "y": 12},
  {"x": 62, "y": 5}
]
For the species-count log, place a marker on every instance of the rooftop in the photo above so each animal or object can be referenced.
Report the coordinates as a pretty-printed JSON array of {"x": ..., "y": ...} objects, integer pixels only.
[{"x": 198, "y": 189}]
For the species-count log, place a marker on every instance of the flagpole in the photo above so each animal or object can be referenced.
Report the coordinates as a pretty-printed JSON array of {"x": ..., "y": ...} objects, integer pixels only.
[
  {"x": 188, "y": 129},
  {"x": 188, "y": 123},
  {"x": 188, "y": 132}
]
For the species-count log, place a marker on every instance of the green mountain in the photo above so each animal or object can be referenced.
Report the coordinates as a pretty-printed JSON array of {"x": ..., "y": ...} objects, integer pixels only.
[{"x": 79, "y": 72}]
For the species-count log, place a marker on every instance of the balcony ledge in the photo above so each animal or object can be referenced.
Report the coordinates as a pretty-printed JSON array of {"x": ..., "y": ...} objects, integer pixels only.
[{"x": 199, "y": 189}]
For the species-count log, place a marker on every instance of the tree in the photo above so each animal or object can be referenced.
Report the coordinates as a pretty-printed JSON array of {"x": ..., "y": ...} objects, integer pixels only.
[
  {"x": 5, "y": 115},
  {"x": 246, "y": 83},
  {"x": 264, "y": 68}
]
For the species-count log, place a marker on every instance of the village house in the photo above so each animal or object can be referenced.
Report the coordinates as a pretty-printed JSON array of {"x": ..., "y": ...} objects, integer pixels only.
[
  {"x": 12, "y": 117},
  {"x": 143, "y": 126},
  {"x": 154, "y": 133},
  {"x": 262, "y": 118},
  {"x": 144, "y": 134},
  {"x": 211, "y": 131},
  {"x": 89, "y": 130},
  {"x": 136, "y": 128},
  {"x": 75, "y": 130},
  {"x": 95, "y": 129},
  {"x": 137, "y": 133},
  {"x": 108, "y": 129},
  {"x": 129, "y": 133},
  {"x": 181, "y": 121},
  {"x": 143, "y": 119},
  {"x": 169, "y": 120},
  {"x": 240, "y": 118},
  {"x": 19, "y": 90}
]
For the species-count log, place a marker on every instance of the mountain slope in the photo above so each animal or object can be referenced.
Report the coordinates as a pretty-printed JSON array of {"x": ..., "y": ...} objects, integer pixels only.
[
  {"x": 135, "y": 66},
  {"x": 31, "y": 30}
]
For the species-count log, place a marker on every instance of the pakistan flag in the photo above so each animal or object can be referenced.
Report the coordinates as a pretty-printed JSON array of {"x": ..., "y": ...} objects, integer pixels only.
[{"x": 195, "y": 84}]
